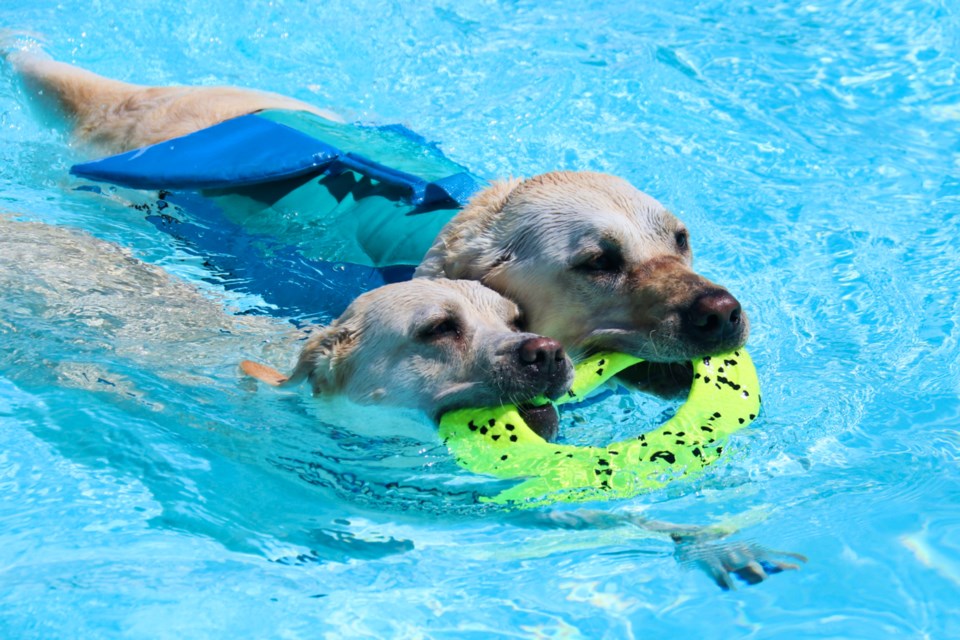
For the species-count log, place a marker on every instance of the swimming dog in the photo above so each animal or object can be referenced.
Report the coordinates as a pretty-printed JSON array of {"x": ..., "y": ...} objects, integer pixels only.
[{"x": 433, "y": 345}]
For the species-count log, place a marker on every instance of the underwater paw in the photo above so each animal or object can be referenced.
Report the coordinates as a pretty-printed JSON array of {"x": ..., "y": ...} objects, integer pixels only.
[{"x": 748, "y": 562}]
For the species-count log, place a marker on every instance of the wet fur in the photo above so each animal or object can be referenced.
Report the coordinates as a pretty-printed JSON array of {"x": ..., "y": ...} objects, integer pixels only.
[
  {"x": 117, "y": 116},
  {"x": 526, "y": 239},
  {"x": 432, "y": 345}
]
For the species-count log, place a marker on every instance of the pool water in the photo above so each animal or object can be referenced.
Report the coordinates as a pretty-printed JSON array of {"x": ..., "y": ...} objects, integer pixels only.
[{"x": 146, "y": 490}]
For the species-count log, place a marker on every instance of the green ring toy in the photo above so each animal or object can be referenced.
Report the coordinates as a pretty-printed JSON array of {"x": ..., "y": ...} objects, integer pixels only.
[{"x": 724, "y": 398}]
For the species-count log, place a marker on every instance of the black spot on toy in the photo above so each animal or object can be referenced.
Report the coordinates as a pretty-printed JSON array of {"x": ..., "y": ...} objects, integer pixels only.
[{"x": 666, "y": 456}]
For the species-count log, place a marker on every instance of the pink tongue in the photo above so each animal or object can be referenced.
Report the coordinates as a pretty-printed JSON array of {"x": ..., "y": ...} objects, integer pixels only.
[{"x": 543, "y": 420}]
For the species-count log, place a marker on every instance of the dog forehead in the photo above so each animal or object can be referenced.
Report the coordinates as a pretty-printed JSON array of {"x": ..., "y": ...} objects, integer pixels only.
[
  {"x": 590, "y": 203},
  {"x": 396, "y": 307},
  {"x": 637, "y": 234},
  {"x": 481, "y": 301}
]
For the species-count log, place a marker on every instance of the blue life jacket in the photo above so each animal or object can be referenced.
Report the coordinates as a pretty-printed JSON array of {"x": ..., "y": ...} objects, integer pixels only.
[{"x": 362, "y": 203}]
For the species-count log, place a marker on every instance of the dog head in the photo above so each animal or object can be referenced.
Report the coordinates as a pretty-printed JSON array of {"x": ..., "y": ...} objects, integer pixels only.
[
  {"x": 433, "y": 345},
  {"x": 593, "y": 263}
]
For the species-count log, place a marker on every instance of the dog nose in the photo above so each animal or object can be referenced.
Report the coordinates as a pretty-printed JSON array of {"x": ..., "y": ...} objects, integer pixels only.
[
  {"x": 547, "y": 354},
  {"x": 715, "y": 314}
]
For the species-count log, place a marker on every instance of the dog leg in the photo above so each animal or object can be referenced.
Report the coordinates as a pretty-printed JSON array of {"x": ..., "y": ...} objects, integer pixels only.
[{"x": 696, "y": 546}]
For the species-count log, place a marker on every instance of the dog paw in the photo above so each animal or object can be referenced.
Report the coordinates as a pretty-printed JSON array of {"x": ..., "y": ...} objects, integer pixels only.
[{"x": 724, "y": 561}]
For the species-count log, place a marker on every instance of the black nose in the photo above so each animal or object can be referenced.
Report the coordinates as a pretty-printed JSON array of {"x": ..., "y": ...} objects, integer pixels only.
[
  {"x": 714, "y": 315},
  {"x": 544, "y": 353}
]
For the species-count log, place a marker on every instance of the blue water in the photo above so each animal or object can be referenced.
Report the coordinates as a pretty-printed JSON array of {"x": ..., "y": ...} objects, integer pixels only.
[{"x": 813, "y": 149}]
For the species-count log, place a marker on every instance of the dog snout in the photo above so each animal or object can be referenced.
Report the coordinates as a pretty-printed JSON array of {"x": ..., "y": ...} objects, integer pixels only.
[
  {"x": 545, "y": 354},
  {"x": 714, "y": 316},
  {"x": 546, "y": 365}
]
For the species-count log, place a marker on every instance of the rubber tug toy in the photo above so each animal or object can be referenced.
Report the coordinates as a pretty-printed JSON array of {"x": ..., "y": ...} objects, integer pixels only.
[{"x": 724, "y": 398}]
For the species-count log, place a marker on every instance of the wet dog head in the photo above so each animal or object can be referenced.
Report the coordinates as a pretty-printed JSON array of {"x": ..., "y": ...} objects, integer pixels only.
[
  {"x": 434, "y": 345},
  {"x": 593, "y": 263}
]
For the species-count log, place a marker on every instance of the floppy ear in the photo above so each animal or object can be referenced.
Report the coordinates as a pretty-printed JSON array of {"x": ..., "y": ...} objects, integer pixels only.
[
  {"x": 467, "y": 246},
  {"x": 322, "y": 361}
]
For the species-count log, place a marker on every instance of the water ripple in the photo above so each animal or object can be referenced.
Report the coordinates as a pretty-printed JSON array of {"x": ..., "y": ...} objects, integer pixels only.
[{"x": 811, "y": 147}]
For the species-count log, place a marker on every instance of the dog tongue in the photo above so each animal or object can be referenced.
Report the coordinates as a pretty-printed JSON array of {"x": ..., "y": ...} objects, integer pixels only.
[{"x": 542, "y": 420}]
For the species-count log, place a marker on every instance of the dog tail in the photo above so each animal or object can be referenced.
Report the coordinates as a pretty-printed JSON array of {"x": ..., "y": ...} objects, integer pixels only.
[
  {"x": 274, "y": 378},
  {"x": 17, "y": 42},
  {"x": 69, "y": 90},
  {"x": 263, "y": 373}
]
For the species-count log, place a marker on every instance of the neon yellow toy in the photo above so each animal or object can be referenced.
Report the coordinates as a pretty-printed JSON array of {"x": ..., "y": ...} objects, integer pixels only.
[{"x": 724, "y": 398}]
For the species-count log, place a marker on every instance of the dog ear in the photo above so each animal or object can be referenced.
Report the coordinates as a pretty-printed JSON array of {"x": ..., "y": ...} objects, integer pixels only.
[
  {"x": 322, "y": 362},
  {"x": 466, "y": 247}
]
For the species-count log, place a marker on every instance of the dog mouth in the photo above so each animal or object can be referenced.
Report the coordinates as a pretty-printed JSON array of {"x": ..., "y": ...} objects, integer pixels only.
[
  {"x": 544, "y": 420},
  {"x": 668, "y": 345},
  {"x": 668, "y": 380}
]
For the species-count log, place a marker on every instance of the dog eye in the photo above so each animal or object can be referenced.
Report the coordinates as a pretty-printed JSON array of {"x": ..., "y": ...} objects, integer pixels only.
[
  {"x": 519, "y": 323},
  {"x": 446, "y": 328},
  {"x": 606, "y": 262},
  {"x": 683, "y": 239}
]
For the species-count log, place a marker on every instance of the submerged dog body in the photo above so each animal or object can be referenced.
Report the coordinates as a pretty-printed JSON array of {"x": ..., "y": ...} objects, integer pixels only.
[
  {"x": 591, "y": 261},
  {"x": 432, "y": 345}
]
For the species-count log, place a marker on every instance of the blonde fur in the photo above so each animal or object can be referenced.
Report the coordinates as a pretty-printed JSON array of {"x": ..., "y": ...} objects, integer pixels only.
[
  {"x": 531, "y": 239},
  {"x": 117, "y": 116},
  {"x": 433, "y": 345}
]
